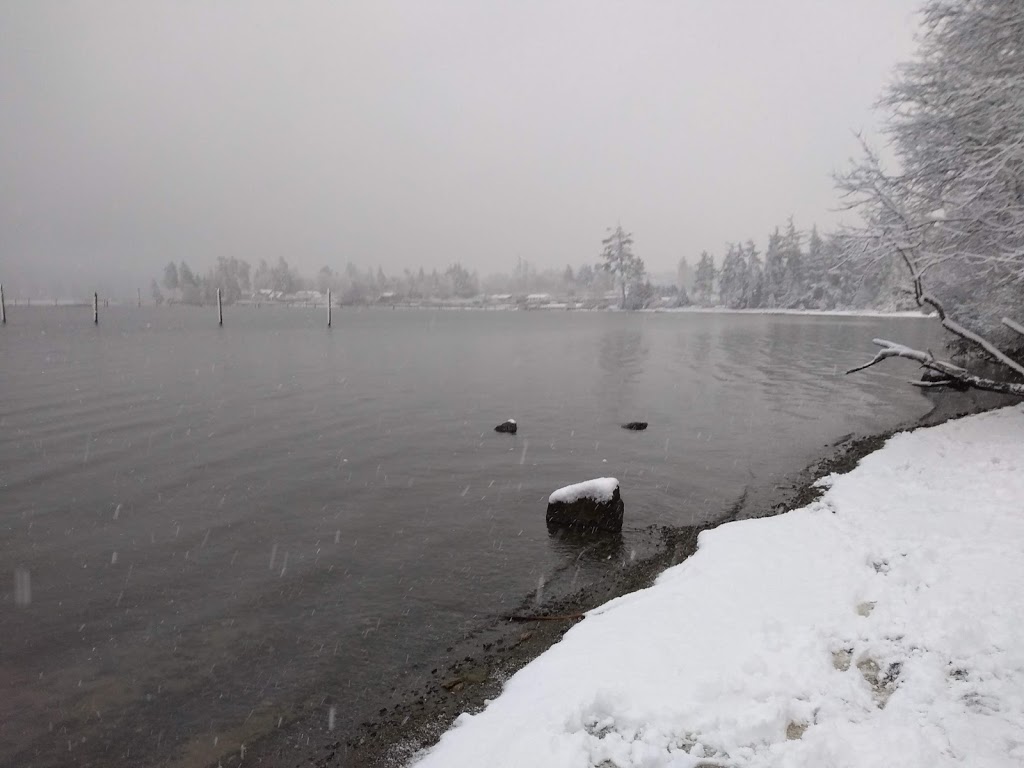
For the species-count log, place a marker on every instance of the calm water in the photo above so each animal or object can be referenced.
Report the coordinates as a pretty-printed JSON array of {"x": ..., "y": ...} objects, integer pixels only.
[{"x": 201, "y": 526}]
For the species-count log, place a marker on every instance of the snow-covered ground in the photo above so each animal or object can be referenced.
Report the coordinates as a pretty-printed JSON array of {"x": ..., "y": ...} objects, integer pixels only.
[{"x": 882, "y": 625}]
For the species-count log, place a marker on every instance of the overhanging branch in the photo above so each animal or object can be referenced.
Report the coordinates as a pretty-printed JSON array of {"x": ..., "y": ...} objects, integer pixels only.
[
  {"x": 1013, "y": 326},
  {"x": 927, "y": 360}
]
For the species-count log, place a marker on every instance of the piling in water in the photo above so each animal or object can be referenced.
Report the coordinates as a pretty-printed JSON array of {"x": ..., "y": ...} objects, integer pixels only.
[
  {"x": 220, "y": 309},
  {"x": 3, "y": 306},
  {"x": 96, "y": 309},
  {"x": 328, "y": 307}
]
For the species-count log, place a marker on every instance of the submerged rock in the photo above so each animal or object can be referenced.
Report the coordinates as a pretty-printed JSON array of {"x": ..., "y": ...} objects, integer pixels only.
[
  {"x": 636, "y": 426},
  {"x": 592, "y": 505},
  {"x": 507, "y": 426}
]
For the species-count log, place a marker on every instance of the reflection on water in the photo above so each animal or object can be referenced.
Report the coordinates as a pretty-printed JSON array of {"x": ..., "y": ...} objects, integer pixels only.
[
  {"x": 580, "y": 547},
  {"x": 203, "y": 529},
  {"x": 622, "y": 357}
]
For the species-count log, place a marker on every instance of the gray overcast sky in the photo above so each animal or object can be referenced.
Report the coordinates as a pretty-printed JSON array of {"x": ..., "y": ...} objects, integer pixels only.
[{"x": 421, "y": 133}]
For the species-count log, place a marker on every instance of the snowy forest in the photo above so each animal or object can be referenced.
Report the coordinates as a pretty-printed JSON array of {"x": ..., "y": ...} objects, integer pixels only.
[{"x": 796, "y": 270}]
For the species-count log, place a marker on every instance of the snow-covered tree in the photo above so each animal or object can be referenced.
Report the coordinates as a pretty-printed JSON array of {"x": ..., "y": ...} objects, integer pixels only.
[
  {"x": 734, "y": 278},
  {"x": 640, "y": 294},
  {"x": 793, "y": 285},
  {"x": 619, "y": 261},
  {"x": 171, "y": 276},
  {"x": 755, "y": 275},
  {"x": 188, "y": 283},
  {"x": 774, "y": 271},
  {"x": 283, "y": 278},
  {"x": 953, "y": 216},
  {"x": 817, "y": 291},
  {"x": 684, "y": 275},
  {"x": 464, "y": 283},
  {"x": 585, "y": 276},
  {"x": 704, "y": 279}
]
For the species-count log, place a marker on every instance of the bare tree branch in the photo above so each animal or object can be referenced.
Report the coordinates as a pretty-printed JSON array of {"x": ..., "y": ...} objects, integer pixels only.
[
  {"x": 1013, "y": 326},
  {"x": 924, "y": 298},
  {"x": 891, "y": 349}
]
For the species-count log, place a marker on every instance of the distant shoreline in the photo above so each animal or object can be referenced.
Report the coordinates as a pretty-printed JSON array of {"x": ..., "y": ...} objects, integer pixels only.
[{"x": 551, "y": 307}]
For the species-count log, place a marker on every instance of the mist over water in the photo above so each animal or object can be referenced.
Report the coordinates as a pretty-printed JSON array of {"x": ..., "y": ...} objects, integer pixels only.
[{"x": 203, "y": 528}]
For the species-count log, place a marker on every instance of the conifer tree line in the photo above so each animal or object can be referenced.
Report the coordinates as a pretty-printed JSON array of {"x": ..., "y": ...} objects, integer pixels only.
[{"x": 796, "y": 270}]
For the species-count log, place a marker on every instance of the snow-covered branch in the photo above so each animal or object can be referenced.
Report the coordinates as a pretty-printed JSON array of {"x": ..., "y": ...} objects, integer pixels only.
[
  {"x": 953, "y": 373},
  {"x": 1016, "y": 327}
]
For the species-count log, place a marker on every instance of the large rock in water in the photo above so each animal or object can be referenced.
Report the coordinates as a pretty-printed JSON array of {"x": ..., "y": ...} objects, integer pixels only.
[
  {"x": 635, "y": 426},
  {"x": 592, "y": 505},
  {"x": 507, "y": 426}
]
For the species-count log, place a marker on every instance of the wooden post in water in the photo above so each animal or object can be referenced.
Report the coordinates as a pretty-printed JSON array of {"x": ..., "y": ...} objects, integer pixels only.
[
  {"x": 139, "y": 291},
  {"x": 220, "y": 310},
  {"x": 328, "y": 307},
  {"x": 3, "y": 305},
  {"x": 95, "y": 308}
]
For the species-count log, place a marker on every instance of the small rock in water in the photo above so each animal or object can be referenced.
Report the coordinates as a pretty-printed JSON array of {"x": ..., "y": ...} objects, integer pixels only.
[
  {"x": 593, "y": 505},
  {"x": 507, "y": 426},
  {"x": 636, "y": 426}
]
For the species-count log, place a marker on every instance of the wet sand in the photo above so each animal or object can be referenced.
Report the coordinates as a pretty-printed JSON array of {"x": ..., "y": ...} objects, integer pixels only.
[{"x": 466, "y": 675}]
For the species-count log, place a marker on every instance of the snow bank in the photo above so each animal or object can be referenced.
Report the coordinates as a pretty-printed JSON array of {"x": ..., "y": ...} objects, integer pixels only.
[
  {"x": 601, "y": 490},
  {"x": 881, "y": 625}
]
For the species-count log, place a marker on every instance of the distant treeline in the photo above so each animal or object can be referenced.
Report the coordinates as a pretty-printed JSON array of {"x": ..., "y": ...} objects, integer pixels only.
[
  {"x": 797, "y": 270},
  {"x": 237, "y": 280}
]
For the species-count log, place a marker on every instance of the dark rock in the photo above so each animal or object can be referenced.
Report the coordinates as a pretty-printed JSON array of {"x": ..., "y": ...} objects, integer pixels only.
[
  {"x": 636, "y": 426},
  {"x": 586, "y": 511},
  {"x": 508, "y": 426}
]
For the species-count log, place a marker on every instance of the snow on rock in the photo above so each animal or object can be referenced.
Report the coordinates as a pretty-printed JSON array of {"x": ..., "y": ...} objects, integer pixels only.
[
  {"x": 881, "y": 625},
  {"x": 591, "y": 506},
  {"x": 601, "y": 489}
]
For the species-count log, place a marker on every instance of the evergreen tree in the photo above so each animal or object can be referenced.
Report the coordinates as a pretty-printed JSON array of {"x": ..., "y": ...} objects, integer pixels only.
[
  {"x": 815, "y": 273},
  {"x": 282, "y": 278},
  {"x": 734, "y": 280},
  {"x": 774, "y": 271},
  {"x": 684, "y": 275},
  {"x": 755, "y": 273},
  {"x": 619, "y": 260},
  {"x": 171, "y": 276},
  {"x": 793, "y": 286},
  {"x": 704, "y": 280},
  {"x": 261, "y": 276},
  {"x": 188, "y": 283},
  {"x": 585, "y": 276}
]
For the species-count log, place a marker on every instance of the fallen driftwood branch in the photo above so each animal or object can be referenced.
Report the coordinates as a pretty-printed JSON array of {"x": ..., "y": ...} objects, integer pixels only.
[
  {"x": 565, "y": 617},
  {"x": 953, "y": 373}
]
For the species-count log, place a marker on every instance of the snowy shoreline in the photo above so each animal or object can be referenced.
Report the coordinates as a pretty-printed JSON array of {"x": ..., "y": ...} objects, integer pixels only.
[
  {"x": 913, "y": 314},
  {"x": 880, "y": 624}
]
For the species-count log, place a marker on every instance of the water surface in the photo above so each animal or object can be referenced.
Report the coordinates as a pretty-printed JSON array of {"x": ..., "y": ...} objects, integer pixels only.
[{"x": 203, "y": 528}]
